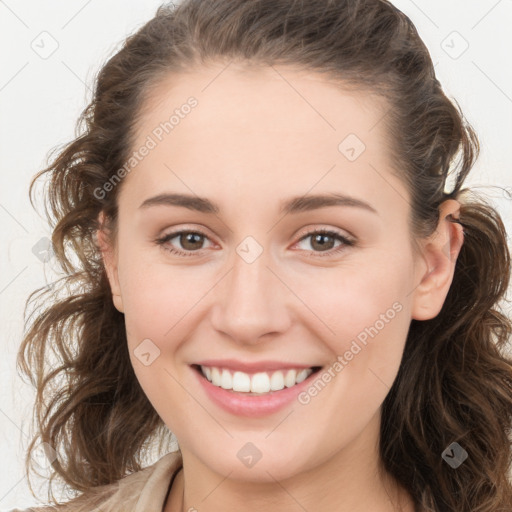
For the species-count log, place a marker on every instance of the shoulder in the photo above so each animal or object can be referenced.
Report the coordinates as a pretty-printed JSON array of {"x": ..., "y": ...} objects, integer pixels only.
[
  {"x": 32, "y": 509},
  {"x": 135, "y": 491},
  {"x": 47, "y": 508}
]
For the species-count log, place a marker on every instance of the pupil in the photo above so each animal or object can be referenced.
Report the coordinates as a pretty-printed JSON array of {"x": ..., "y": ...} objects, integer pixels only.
[
  {"x": 321, "y": 240},
  {"x": 189, "y": 238}
]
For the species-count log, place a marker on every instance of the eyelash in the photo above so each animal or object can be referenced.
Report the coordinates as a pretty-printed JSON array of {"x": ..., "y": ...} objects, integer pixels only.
[{"x": 345, "y": 242}]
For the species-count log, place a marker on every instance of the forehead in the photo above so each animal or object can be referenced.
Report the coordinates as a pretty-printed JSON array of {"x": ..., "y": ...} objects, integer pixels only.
[
  {"x": 267, "y": 129},
  {"x": 281, "y": 99}
]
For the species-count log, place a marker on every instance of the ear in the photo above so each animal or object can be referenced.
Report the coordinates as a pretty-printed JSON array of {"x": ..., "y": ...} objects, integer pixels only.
[
  {"x": 439, "y": 252},
  {"x": 109, "y": 255}
]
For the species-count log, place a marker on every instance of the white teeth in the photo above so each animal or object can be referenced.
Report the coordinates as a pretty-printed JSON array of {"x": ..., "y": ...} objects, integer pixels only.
[
  {"x": 241, "y": 382},
  {"x": 215, "y": 377},
  {"x": 302, "y": 375},
  {"x": 226, "y": 381},
  {"x": 262, "y": 382},
  {"x": 289, "y": 379},
  {"x": 277, "y": 381}
]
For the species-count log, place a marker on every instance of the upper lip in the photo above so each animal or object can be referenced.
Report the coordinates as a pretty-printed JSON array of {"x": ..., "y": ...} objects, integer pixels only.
[{"x": 251, "y": 367}]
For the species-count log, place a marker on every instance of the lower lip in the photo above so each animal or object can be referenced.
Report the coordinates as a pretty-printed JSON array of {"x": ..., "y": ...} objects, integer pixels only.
[{"x": 252, "y": 406}]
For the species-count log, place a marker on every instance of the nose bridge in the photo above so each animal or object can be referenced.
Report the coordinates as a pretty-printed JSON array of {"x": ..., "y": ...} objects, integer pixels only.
[{"x": 250, "y": 303}]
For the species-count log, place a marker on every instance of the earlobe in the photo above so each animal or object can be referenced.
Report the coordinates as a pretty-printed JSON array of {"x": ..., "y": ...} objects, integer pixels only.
[
  {"x": 440, "y": 252},
  {"x": 109, "y": 256}
]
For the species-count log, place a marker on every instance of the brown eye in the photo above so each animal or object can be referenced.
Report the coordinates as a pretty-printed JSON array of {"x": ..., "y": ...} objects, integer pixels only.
[
  {"x": 188, "y": 242},
  {"x": 323, "y": 243},
  {"x": 191, "y": 241}
]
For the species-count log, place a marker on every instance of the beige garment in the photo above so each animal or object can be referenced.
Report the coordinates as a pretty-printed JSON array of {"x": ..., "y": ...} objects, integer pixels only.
[{"x": 142, "y": 491}]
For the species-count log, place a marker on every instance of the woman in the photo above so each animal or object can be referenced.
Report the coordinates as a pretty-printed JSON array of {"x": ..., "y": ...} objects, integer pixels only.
[{"x": 272, "y": 266}]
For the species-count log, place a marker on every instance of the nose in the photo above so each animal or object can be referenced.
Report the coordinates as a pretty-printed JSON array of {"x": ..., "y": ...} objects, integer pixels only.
[{"x": 251, "y": 302}]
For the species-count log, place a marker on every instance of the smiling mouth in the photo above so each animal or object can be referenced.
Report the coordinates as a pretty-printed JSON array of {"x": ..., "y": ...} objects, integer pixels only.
[{"x": 255, "y": 384}]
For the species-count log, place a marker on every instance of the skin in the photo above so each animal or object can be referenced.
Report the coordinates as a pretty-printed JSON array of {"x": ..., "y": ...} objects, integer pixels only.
[{"x": 255, "y": 139}]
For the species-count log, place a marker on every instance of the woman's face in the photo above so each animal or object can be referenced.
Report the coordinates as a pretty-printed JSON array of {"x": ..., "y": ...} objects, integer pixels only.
[{"x": 246, "y": 174}]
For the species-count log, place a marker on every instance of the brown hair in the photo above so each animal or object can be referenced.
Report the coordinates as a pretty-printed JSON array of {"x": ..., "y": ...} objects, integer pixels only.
[{"x": 454, "y": 383}]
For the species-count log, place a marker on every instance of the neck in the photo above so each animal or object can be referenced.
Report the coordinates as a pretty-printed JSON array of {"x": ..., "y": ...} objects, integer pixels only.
[{"x": 352, "y": 480}]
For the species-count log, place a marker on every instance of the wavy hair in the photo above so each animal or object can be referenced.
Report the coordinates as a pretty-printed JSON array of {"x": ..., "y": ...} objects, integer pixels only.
[{"x": 454, "y": 382}]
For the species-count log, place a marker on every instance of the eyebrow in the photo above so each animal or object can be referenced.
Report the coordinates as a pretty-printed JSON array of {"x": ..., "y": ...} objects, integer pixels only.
[{"x": 292, "y": 205}]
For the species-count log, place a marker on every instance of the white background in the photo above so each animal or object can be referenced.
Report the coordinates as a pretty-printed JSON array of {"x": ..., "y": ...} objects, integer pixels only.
[{"x": 41, "y": 98}]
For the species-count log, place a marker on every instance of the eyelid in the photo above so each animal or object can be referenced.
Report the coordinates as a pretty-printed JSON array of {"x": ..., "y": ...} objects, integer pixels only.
[
  {"x": 187, "y": 229},
  {"x": 319, "y": 228}
]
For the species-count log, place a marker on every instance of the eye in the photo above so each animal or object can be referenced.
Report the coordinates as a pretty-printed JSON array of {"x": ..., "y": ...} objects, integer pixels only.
[
  {"x": 189, "y": 240},
  {"x": 192, "y": 242},
  {"x": 324, "y": 239}
]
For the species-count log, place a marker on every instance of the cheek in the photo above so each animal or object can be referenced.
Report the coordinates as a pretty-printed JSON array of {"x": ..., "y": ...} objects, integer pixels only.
[
  {"x": 368, "y": 314},
  {"x": 367, "y": 310},
  {"x": 159, "y": 301},
  {"x": 156, "y": 296},
  {"x": 360, "y": 300}
]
